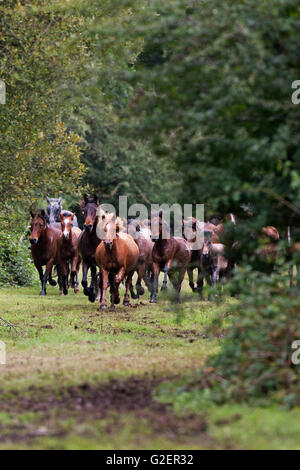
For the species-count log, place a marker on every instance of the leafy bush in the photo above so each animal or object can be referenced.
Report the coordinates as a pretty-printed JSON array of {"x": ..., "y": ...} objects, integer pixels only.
[
  {"x": 255, "y": 360},
  {"x": 15, "y": 263}
]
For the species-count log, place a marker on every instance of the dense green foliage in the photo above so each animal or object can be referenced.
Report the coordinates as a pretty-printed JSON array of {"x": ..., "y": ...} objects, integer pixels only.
[
  {"x": 37, "y": 58},
  {"x": 255, "y": 360},
  {"x": 15, "y": 266},
  {"x": 216, "y": 80}
]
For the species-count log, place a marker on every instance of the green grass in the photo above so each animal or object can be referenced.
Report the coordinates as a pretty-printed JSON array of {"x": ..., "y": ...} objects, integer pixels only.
[{"x": 67, "y": 342}]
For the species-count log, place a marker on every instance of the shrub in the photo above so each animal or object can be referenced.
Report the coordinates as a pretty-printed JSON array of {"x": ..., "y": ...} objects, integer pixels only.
[
  {"x": 15, "y": 263},
  {"x": 255, "y": 359}
]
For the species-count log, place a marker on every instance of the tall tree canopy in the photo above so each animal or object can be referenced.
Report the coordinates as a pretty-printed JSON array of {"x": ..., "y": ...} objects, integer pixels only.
[{"x": 213, "y": 92}]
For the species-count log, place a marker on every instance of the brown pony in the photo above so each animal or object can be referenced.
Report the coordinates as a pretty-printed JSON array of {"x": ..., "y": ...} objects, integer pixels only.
[
  {"x": 170, "y": 255},
  {"x": 142, "y": 237},
  {"x": 189, "y": 233},
  {"x": 67, "y": 252},
  {"x": 117, "y": 256},
  {"x": 88, "y": 242},
  {"x": 44, "y": 239},
  {"x": 269, "y": 238}
]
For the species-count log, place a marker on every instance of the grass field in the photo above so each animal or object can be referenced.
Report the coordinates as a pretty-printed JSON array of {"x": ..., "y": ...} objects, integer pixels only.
[{"x": 81, "y": 379}]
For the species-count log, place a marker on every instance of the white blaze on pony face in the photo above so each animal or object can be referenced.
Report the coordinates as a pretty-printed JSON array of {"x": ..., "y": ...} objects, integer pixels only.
[{"x": 66, "y": 231}]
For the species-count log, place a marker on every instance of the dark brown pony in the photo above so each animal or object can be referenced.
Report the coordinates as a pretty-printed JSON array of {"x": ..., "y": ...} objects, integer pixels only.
[
  {"x": 67, "y": 252},
  {"x": 117, "y": 256},
  {"x": 88, "y": 242},
  {"x": 144, "y": 269},
  {"x": 44, "y": 240},
  {"x": 189, "y": 233},
  {"x": 170, "y": 255}
]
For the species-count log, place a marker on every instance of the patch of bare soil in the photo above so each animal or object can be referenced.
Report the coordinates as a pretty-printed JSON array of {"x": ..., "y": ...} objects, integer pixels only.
[{"x": 90, "y": 402}]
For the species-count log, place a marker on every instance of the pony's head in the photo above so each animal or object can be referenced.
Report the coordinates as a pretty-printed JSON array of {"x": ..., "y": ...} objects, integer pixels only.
[
  {"x": 108, "y": 228},
  {"x": 89, "y": 206},
  {"x": 38, "y": 225},
  {"x": 159, "y": 227},
  {"x": 66, "y": 225},
  {"x": 54, "y": 208}
]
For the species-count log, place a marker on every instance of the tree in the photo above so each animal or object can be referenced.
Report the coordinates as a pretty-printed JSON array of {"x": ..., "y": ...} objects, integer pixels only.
[
  {"x": 37, "y": 154},
  {"x": 217, "y": 99}
]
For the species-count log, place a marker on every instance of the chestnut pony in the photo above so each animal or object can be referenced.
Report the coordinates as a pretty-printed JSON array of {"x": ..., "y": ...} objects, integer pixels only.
[
  {"x": 117, "y": 256},
  {"x": 88, "y": 242},
  {"x": 170, "y": 255},
  {"x": 67, "y": 252},
  {"x": 44, "y": 240}
]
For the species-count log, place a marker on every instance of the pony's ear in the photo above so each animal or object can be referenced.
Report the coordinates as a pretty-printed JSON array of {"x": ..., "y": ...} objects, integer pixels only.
[
  {"x": 61, "y": 215},
  {"x": 32, "y": 214},
  {"x": 72, "y": 216},
  {"x": 48, "y": 199},
  {"x": 42, "y": 213},
  {"x": 96, "y": 200},
  {"x": 59, "y": 199}
]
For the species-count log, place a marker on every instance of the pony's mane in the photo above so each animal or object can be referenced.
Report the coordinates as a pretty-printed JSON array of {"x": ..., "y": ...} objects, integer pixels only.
[{"x": 106, "y": 217}]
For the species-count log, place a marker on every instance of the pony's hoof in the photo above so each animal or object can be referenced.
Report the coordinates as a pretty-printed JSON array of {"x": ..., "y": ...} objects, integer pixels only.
[
  {"x": 86, "y": 290},
  {"x": 76, "y": 290},
  {"x": 112, "y": 309},
  {"x": 92, "y": 297},
  {"x": 117, "y": 300},
  {"x": 52, "y": 282},
  {"x": 152, "y": 301},
  {"x": 134, "y": 296},
  {"x": 141, "y": 291},
  {"x": 163, "y": 288},
  {"x": 126, "y": 304},
  {"x": 43, "y": 292},
  {"x": 65, "y": 291},
  {"x": 103, "y": 307}
]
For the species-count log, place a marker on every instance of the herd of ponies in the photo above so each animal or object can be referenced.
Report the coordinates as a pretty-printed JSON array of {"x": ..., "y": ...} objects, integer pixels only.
[{"x": 114, "y": 250}]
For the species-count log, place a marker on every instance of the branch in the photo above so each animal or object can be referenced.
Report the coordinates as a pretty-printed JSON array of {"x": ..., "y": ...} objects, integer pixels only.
[{"x": 4, "y": 323}]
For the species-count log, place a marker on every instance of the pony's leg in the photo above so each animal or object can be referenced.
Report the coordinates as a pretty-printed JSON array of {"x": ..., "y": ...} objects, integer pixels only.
[
  {"x": 180, "y": 278},
  {"x": 51, "y": 281},
  {"x": 141, "y": 274},
  {"x": 98, "y": 287},
  {"x": 118, "y": 280},
  {"x": 84, "y": 283},
  {"x": 127, "y": 285},
  {"x": 59, "y": 277},
  {"x": 40, "y": 271},
  {"x": 165, "y": 281},
  {"x": 208, "y": 278},
  {"x": 113, "y": 291},
  {"x": 104, "y": 276},
  {"x": 215, "y": 277},
  {"x": 64, "y": 273},
  {"x": 92, "y": 295},
  {"x": 191, "y": 279},
  {"x": 76, "y": 290},
  {"x": 74, "y": 274},
  {"x": 148, "y": 279},
  {"x": 200, "y": 283},
  {"x": 155, "y": 283},
  {"x": 49, "y": 266},
  {"x": 132, "y": 293}
]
